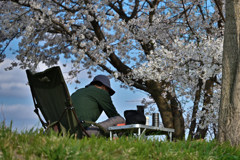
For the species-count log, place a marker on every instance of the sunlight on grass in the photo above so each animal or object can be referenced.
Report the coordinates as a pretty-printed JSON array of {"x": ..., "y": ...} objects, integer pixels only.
[{"x": 33, "y": 144}]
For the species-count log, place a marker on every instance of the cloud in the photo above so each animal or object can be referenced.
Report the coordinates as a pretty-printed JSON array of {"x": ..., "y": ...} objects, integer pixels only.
[
  {"x": 14, "y": 89},
  {"x": 22, "y": 116},
  {"x": 18, "y": 111},
  {"x": 12, "y": 83}
]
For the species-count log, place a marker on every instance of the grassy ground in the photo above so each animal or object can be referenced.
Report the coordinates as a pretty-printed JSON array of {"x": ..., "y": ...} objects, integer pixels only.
[{"x": 34, "y": 144}]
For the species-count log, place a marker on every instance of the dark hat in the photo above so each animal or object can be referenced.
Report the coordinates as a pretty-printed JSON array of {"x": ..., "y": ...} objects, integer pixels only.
[{"x": 105, "y": 81}]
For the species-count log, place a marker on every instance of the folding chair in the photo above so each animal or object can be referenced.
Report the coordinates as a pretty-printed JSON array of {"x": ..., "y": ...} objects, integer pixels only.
[{"x": 51, "y": 96}]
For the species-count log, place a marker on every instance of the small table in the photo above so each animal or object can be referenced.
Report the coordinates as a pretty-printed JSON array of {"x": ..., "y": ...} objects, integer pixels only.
[{"x": 142, "y": 129}]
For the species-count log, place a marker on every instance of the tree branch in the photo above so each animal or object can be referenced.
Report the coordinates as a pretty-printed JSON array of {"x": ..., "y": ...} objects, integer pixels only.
[{"x": 219, "y": 9}]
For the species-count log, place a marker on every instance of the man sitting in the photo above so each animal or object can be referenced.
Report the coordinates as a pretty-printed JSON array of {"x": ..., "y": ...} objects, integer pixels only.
[{"x": 91, "y": 101}]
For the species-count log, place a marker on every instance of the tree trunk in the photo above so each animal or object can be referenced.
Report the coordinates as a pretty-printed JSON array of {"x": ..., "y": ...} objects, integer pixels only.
[
  {"x": 171, "y": 114},
  {"x": 195, "y": 109},
  {"x": 178, "y": 121},
  {"x": 229, "y": 115},
  {"x": 208, "y": 93}
]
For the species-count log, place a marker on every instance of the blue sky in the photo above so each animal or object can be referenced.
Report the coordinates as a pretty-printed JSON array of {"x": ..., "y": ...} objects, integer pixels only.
[{"x": 16, "y": 103}]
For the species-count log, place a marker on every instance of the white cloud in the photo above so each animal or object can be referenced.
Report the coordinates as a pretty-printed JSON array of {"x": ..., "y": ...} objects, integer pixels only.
[
  {"x": 22, "y": 116},
  {"x": 12, "y": 83},
  {"x": 16, "y": 112},
  {"x": 12, "y": 74}
]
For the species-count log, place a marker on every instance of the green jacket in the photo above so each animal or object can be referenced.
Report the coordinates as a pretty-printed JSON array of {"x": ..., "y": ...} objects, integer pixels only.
[{"x": 90, "y": 102}]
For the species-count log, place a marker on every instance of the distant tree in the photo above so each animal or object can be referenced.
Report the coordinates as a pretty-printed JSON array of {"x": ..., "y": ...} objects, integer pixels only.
[
  {"x": 170, "y": 49},
  {"x": 229, "y": 114}
]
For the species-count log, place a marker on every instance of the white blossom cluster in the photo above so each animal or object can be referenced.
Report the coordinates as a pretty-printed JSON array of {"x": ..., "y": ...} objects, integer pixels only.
[
  {"x": 175, "y": 41},
  {"x": 186, "y": 62}
]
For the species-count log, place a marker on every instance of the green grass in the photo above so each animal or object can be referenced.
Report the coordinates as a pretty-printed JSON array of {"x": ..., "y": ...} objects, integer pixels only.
[{"x": 34, "y": 144}]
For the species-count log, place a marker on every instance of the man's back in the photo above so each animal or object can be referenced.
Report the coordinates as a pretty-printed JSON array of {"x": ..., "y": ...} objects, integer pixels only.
[{"x": 89, "y": 103}]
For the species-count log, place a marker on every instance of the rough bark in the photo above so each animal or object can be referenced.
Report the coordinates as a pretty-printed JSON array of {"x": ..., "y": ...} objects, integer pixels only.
[
  {"x": 171, "y": 114},
  {"x": 195, "y": 109},
  {"x": 207, "y": 100},
  {"x": 229, "y": 116},
  {"x": 178, "y": 121}
]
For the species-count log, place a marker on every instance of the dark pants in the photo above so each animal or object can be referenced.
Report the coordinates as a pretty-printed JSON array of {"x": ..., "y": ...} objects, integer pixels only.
[{"x": 94, "y": 130}]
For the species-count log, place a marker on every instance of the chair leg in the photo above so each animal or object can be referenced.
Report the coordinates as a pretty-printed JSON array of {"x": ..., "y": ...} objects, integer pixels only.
[{"x": 110, "y": 135}]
